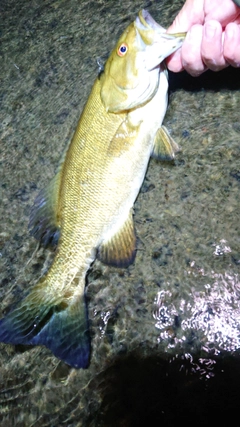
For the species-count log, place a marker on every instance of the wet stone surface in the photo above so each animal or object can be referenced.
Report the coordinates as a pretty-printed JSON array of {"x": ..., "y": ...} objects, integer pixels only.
[{"x": 165, "y": 331}]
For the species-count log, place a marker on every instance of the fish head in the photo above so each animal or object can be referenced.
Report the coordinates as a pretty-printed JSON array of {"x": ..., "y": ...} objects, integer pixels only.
[{"x": 131, "y": 73}]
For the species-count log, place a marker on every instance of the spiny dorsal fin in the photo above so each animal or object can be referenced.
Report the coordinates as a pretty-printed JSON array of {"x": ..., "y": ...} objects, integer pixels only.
[
  {"x": 165, "y": 147},
  {"x": 120, "y": 249},
  {"x": 43, "y": 221}
]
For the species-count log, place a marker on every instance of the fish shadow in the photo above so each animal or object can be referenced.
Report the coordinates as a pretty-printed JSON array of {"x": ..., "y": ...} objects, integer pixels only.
[{"x": 138, "y": 391}]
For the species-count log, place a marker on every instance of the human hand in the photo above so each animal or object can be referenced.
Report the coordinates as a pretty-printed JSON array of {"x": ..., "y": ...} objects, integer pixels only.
[{"x": 213, "y": 38}]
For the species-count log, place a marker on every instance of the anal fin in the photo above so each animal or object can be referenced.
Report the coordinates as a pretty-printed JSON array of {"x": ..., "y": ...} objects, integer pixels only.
[
  {"x": 165, "y": 148},
  {"x": 120, "y": 249}
]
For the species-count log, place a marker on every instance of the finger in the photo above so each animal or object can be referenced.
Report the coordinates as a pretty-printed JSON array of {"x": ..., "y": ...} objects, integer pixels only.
[
  {"x": 191, "y": 51},
  {"x": 231, "y": 46},
  {"x": 212, "y": 46},
  {"x": 191, "y": 13},
  {"x": 174, "y": 62},
  {"x": 223, "y": 11}
]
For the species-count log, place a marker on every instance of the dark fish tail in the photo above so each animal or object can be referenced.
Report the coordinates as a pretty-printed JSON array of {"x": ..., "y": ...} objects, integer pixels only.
[{"x": 60, "y": 324}]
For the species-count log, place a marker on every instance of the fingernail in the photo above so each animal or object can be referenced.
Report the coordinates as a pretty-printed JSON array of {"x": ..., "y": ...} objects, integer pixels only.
[{"x": 209, "y": 30}]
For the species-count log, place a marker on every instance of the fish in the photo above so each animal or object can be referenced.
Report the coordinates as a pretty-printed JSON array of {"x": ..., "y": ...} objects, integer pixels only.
[{"x": 86, "y": 211}]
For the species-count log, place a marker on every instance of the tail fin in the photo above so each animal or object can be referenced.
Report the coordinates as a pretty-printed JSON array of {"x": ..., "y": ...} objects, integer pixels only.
[{"x": 60, "y": 325}]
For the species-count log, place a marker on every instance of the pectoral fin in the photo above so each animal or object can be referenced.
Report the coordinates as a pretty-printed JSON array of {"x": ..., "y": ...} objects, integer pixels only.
[
  {"x": 165, "y": 148},
  {"x": 124, "y": 137},
  {"x": 120, "y": 249}
]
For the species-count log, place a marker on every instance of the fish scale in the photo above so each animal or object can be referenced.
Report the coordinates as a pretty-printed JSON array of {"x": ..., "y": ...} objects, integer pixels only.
[{"x": 87, "y": 209}]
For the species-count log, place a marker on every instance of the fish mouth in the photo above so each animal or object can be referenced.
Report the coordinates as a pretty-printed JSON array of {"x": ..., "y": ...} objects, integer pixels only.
[
  {"x": 145, "y": 21},
  {"x": 158, "y": 44}
]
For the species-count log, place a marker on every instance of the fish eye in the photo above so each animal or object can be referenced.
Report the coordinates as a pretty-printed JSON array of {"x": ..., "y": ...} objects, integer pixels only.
[{"x": 122, "y": 50}]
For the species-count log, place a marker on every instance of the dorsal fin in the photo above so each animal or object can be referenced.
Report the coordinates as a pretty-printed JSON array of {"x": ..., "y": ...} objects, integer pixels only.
[
  {"x": 165, "y": 147},
  {"x": 43, "y": 221},
  {"x": 120, "y": 249}
]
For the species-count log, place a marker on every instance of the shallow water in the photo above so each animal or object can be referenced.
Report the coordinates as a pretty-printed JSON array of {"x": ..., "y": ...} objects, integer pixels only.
[{"x": 165, "y": 331}]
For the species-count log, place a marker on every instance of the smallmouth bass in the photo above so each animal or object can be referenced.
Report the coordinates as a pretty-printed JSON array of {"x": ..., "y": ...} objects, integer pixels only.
[{"x": 87, "y": 208}]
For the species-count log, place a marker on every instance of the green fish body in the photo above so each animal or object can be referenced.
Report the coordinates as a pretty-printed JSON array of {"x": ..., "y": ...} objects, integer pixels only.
[{"x": 87, "y": 208}]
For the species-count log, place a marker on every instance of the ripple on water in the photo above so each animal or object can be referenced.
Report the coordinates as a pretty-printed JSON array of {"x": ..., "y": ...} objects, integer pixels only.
[{"x": 208, "y": 320}]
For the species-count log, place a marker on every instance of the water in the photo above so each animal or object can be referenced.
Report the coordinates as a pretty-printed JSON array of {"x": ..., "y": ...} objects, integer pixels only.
[{"x": 165, "y": 331}]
